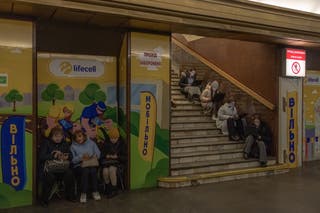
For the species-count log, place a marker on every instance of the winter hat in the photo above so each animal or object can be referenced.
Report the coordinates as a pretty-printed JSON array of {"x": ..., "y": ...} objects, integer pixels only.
[
  {"x": 101, "y": 106},
  {"x": 114, "y": 133}
]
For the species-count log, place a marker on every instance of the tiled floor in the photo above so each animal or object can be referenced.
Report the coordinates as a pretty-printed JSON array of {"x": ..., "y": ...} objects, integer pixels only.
[{"x": 297, "y": 191}]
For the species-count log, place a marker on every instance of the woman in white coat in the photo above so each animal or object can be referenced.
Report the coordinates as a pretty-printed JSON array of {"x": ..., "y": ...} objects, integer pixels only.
[
  {"x": 228, "y": 113},
  {"x": 206, "y": 99}
]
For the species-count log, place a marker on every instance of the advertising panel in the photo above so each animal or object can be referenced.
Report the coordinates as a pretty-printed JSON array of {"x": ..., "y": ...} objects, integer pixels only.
[
  {"x": 71, "y": 88},
  {"x": 311, "y": 89},
  {"x": 149, "y": 119},
  {"x": 16, "y": 123}
]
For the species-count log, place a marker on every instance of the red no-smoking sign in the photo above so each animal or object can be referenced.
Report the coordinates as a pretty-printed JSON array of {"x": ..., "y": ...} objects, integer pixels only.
[{"x": 295, "y": 62}]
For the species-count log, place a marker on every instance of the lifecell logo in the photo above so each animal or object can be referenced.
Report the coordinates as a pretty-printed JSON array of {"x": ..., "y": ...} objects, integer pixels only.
[
  {"x": 66, "y": 67},
  {"x": 76, "y": 68}
]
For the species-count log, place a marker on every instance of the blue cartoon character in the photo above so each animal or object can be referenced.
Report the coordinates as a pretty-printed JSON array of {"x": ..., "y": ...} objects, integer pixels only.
[{"x": 92, "y": 116}]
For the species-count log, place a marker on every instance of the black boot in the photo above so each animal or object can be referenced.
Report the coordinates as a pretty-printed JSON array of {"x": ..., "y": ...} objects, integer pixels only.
[
  {"x": 44, "y": 203},
  {"x": 108, "y": 189},
  {"x": 113, "y": 192}
]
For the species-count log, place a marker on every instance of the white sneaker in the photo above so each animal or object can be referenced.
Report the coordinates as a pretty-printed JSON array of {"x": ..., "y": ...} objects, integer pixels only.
[
  {"x": 96, "y": 196},
  {"x": 83, "y": 198},
  {"x": 214, "y": 118}
]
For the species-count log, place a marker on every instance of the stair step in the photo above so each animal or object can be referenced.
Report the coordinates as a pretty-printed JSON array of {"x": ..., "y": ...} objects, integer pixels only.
[
  {"x": 188, "y": 112},
  {"x": 205, "y": 146},
  {"x": 217, "y": 136},
  {"x": 204, "y": 153},
  {"x": 214, "y": 177},
  {"x": 214, "y": 166},
  {"x": 186, "y": 102},
  {"x": 191, "y": 119},
  {"x": 177, "y": 97},
  {"x": 188, "y": 157},
  {"x": 175, "y": 92},
  {"x": 201, "y": 141},
  {"x": 193, "y": 126},
  {"x": 193, "y": 131},
  {"x": 175, "y": 87},
  {"x": 188, "y": 107}
]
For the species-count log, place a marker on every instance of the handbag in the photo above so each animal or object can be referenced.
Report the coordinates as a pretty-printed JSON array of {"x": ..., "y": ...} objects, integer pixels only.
[
  {"x": 55, "y": 166},
  {"x": 92, "y": 162}
]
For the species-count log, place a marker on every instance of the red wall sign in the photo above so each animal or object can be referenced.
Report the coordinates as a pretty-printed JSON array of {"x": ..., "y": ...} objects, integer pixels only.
[{"x": 295, "y": 62}]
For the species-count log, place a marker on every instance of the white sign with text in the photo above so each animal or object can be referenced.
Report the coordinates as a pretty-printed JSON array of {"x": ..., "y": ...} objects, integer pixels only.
[{"x": 76, "y": 68}]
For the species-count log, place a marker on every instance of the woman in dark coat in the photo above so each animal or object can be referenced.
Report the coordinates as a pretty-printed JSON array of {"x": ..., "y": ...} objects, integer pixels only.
[
  {"x": 257, "y": 134},
  {"x": 56, "y": 148}
]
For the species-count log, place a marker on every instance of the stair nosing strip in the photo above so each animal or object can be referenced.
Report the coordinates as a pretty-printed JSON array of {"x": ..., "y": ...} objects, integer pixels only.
[
  {"x": 228, "y": 163},
  {"x": 198, "y": 136},
  {"x": 191, "y": 122},
  {"x": 185, "y": 145},
  {"x": 213, "y": 164},
  {"x": 207, "y": 154},
  {"x": 206, "y": 175},
  {"x": 193, "y": 129}
]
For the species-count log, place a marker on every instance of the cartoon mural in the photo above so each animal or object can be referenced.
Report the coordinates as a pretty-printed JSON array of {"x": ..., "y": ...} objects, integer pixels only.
[
  {"x": 149, "y": 119},
  {"x": 16, "y": 123},
  {"x": 73, "y": 100}
]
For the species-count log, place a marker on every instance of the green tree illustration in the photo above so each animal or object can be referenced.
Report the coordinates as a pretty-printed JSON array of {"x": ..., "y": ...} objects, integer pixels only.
[
  {"x": 92, "y": 93},
  {"x": 12, "y": 97},
  {"x": 52, "y": 93}
]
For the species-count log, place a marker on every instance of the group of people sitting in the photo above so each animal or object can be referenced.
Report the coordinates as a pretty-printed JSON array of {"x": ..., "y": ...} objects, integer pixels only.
[
  {"x": 189, "y": 84},
  {"x": 80, "y": 164},
  {"x": 252, "y": 130}
]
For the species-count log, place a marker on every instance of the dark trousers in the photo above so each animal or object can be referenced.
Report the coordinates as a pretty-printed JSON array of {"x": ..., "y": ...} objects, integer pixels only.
[
  {"x": 235, "y": 127},
  {"x": 84, "y": 175},
  {"x": 51, "y": 178}
]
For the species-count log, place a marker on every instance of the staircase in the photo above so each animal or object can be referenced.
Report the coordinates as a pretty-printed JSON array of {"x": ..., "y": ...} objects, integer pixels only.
[{"x": 200, "y": 153}]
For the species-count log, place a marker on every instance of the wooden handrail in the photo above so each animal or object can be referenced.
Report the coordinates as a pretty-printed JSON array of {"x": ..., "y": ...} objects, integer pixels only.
[{"x": 234, "y": 81}]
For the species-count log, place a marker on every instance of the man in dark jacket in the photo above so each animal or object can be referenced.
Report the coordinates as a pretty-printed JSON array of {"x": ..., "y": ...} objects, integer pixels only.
[
  {"x": 257, "y": 134},
  {"x": 56, "y": 148}
]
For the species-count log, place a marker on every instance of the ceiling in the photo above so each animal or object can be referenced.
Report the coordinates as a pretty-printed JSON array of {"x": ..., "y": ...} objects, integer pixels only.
[
  {"x": 82, "y": 19},
  {"x": 55, "y": 14}
]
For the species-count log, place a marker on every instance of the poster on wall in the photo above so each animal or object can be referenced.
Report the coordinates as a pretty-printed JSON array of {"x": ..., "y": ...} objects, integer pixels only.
[
  {"x": 77, "y": 92},
  {"x": 149, "y": 124},
  {"x": 16, "y": 123},
  {"x": 311, "y": 146}
]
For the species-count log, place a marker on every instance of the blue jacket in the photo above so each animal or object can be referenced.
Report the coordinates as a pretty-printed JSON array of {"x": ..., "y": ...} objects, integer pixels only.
[{"x": 78, "y": 150}]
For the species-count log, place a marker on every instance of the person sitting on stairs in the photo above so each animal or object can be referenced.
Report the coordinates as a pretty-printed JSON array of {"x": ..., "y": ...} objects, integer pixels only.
[
  {"x": 229, "y": 121},
  {"x": 218, "y": 95},
  {"x": 189, "y": 85},
  {"x": 206, "y": 99},
  {"x": 258, "y": 138}
]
